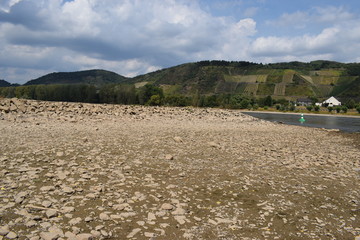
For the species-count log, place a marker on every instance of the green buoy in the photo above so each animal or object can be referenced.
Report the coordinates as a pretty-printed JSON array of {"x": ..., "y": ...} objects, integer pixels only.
[{"x": 302, "y": 120}]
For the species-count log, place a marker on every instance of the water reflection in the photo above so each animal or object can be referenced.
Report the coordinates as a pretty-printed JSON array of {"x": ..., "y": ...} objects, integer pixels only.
[{"x": 346, "y": 124}]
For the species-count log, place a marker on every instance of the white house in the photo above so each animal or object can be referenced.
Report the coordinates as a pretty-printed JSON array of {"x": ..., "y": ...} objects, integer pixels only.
[{"x": 331, "y": 102}]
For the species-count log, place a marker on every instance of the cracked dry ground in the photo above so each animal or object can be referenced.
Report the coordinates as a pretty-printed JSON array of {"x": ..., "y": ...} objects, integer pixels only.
[{"x": 175, "y": 173}]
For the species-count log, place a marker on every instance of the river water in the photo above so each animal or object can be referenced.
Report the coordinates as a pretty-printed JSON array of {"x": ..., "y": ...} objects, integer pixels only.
[{"x": 346, "y": 124}]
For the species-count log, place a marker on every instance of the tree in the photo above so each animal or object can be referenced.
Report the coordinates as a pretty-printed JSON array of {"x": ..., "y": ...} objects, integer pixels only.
[
  {"x": 358, "y": 109},
  {"x": 155, "y": 100},
  {"x": 147, "y": 91},
  {"x": 268, "y": 101},
  {"x": 344, "y": 109},
  {"x": 350, "y": 104}
]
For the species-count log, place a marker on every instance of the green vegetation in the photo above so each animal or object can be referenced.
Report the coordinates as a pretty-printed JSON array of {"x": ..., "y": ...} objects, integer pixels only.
[
  {"x": 238, "y": 85},
  {"x": 92, "y": 77}
]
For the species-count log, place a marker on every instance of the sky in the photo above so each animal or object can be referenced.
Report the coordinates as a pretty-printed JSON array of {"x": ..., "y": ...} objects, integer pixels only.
[{"x": 133, "y": 37}]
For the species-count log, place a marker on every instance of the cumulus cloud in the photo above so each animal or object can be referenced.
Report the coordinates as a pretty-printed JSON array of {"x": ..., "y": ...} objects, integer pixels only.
[
  {"x": 335, "y": 37},
  {"x": 132, "y": 37},
  {"x": 115, "y": 34}
]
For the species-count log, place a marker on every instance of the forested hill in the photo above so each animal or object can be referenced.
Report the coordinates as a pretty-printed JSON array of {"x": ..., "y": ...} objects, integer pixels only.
[
  {"x": 92, "y": 77},
  {"x": 4, "y": 83},
  {"x": 290, "y": 80}
]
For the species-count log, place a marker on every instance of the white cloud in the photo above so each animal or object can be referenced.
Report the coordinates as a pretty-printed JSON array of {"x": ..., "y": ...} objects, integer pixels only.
[
  {"x": 129, "y": 37},
  {"x": 321, "y": 16},
  {"x": 132, "y": 37}
]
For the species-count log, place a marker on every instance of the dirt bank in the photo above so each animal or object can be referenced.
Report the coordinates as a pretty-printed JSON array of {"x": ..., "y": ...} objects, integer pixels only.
[{"x": 82, "y": 171}]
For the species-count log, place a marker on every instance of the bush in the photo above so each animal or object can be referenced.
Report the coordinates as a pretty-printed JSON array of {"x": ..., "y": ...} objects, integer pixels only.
[
  {"x": 155, "y": 100},
  {"x": 309, "y": 108},
  {"x": 344, "y": 109},
  {"x": 330, "y": 109},
  {"x": 358, "y": 109},
  {"x": 317, "y": 108},
  {"x": 338, "y": 109},
  {"x": 277, "y": 107}
]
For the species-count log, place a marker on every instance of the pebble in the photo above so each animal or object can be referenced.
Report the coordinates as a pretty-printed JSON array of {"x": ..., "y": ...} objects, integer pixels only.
[{"x": 113, "y": 176}]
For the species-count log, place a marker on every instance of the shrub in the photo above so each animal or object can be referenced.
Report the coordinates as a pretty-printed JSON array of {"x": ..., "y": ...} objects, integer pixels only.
[
  {"x": 277, "y": 107},
  {"x": 358, "y": 109},
  {"x": 345, "y": 109},
  {"x": 317, "y": 108},
  {"x": 338, "y": 109},
  {"x": 330, "y": 109},
  {"x": 309, "y": 108},
  {"x": 155, "y": 100}
]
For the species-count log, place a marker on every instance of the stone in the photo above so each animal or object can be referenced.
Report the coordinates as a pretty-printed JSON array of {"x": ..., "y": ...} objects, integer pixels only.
[
  {"x": 75, "y": 221},
  {"x": 151, "y": 216},
  {"x": 88, "y": 219},
  {"x": 167, "y": 206},
  {"x": 179, "y": 211},
  {"x": 31, "y": 223},
  {"x": 104, "y": 217},
  {"x": 169, "y": 157},
  {"x": 133, "y": 232},
  {"x": 51, "y": 213},
  {"x": 84, "y": 236},
  {"x": 4, "y": 230},
  {"x": 178, "y": 139},
  {"x": 47, "y": 188},
  {"x": 149, "y": 234},
  {"x": 56, "y": 230},
  {"x": 70, "y": 236},
  {"x": 49, "y": 236},
  {"x": 11, "y": 235},
  {"x": 213, "y": 144},
  {"x": 68, "y": 190},
  {"x": 180, "y": 219},
  {"x": 60, "y": 154},
  {"x": 67, "y": 210},
  {"x": 46, "y": 204},
  {"x": 95, "y": 234}
]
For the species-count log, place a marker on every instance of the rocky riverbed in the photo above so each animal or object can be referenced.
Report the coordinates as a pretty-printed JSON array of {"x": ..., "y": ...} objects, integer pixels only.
[{"x": 84, "y": 171}]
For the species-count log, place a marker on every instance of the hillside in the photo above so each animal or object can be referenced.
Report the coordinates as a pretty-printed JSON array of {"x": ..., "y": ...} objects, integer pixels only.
[
  {"x": 289, "y": 80},
  {"x": 281, "y": 80},
  {"x": 4, "y": 83},
  {"x": 93, "y": 77}
]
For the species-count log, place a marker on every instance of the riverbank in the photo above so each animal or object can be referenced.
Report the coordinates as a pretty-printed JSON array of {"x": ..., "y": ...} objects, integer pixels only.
[
  {"x": 305, "y": 113},
  {"x": 132, "y": 172}
]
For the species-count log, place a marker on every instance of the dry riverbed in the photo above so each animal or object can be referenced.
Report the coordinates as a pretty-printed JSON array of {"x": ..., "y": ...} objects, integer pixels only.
[{"x": 83, "y": 171}]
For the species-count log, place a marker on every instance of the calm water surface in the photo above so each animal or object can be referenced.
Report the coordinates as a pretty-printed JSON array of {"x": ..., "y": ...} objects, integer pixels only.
[{"x": 346, "y": 124}]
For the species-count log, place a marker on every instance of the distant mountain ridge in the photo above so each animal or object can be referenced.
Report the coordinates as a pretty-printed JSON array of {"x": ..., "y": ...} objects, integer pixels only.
[
  {"x": 92, "y": 77},
  {"x": 290, "y": 80}
]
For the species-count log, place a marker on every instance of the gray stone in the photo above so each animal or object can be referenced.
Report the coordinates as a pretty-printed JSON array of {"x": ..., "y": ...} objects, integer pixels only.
[
  {"x": 167, "y": 206},
  {"x": 49, "y": 236},
  {"x": 11, "y": 235},
  {"x": 68, "y": 190},
  {"x": 84, "y": 236},
  {"x": 4, "y": 230},
  {"x": 104, "y": 216},
  {"x": 75, "y": 221},
  {"x": 51, "y": 213}
]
